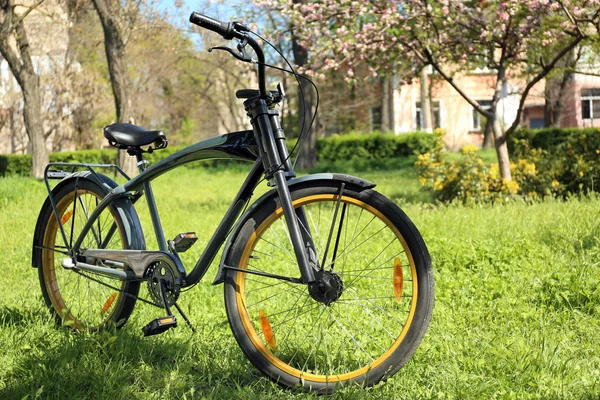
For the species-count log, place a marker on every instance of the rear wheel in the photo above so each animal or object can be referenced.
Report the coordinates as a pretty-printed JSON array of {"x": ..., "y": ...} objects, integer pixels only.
[
  {"x": 77, "y": 298},
  {"x": 361, "y": 331}
]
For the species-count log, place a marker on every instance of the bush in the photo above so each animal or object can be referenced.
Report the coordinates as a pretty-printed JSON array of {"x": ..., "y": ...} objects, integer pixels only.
[
  {"x": 569, "y": 157},
  {"x": 15, "y": 164},
  {"x": 470, "y": 180},
  {"x": 377, "y": 146}
]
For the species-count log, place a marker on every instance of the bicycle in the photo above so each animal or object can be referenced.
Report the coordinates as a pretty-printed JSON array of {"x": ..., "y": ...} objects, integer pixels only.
[{"x": 326, "y": 281}]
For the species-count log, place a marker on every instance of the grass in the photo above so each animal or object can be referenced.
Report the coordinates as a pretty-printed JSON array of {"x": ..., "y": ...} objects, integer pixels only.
[{"x": 517, "y": 310}]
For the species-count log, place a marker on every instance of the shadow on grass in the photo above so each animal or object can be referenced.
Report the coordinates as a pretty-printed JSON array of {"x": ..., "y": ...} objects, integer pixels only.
[
  {"x": 56, "y": 362},
  {"x": 18, "y": 317}
]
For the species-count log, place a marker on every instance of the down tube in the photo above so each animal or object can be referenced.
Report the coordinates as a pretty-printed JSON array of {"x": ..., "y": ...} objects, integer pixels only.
[{"x": 231, "y": 216}]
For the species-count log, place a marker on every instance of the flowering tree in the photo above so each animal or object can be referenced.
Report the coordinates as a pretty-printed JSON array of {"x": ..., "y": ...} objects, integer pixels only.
[{"x": 522, "y": 39}]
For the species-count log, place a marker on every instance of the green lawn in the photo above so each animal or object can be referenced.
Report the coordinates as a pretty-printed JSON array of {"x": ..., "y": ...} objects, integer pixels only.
[{"x": 517, "y": 310}]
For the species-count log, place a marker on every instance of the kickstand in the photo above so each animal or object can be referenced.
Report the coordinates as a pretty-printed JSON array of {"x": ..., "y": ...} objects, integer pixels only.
[{"x": 185, "y": 318}]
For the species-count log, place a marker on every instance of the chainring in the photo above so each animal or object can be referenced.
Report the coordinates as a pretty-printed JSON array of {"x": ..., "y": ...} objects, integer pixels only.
[{"x": 163, "y": 271}]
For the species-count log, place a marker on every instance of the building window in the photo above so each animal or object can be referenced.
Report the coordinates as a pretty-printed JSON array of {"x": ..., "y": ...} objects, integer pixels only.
[
  {"x": 435, "y": 111},
  {"x": 590, "y": 103},
  {"x": 376, "y": 119},
  {"x": 537, "y": 123},
  {"x": 478, "y": 119}
]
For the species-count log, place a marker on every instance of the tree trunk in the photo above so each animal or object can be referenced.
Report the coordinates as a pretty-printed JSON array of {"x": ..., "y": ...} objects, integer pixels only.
[
  {"x": 307, "y": 158},
  {"x": 488, "y": 135},
  {"x": 12, "y": 130},
  {"x": 501, "y": 148},
  {"x": 21, "y": 66},
  {"x": 33, "y": 125},
  {"x": 425, "y": 101},
  {"x": 387, "y": 104},
  {"x": 117, "y": 68}
]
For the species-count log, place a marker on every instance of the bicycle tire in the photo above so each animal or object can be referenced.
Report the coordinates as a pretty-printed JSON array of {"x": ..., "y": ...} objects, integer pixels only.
[
  {"x": 72, "y": 297},
  {"x": 364, "y": 336}
]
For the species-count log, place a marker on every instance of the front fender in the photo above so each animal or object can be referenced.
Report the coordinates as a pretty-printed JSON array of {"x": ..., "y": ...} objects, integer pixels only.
[{"x": 356, "y": 183}]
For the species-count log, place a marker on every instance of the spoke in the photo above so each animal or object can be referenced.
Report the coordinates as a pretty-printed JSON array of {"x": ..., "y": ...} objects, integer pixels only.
[
  {"x": 314, "y": 348},
  {"x": 278, "y": 247},
  {"x": 380, "y": 266},
  {"x": 296, "y": 316},
  {"x": 373, "y": 318},
  {"x": 315, "y": 228},
  {"x": 384, "y": 309},
  {"x": 270, "y": 255},
  {"x": 87, "y": 216},
  {"x": 265, "y": 286},
  {"x": 263, "y": 300},
  {"x": 349, "y": 334},
  {"x": 372, "y": 261},
  {"x": 357, "y": 246},
  {"x": 309, "y": 334},
  {"x": 372, "y": 298}
]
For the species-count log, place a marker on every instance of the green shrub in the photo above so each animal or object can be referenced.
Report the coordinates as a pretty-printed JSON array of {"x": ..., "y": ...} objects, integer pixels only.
[
  {"x": 570, "y": 157},
  {"x": 15, "y": 164},
  {"x": 374, "y": 147},
  {"x": 470, "y": 180}
]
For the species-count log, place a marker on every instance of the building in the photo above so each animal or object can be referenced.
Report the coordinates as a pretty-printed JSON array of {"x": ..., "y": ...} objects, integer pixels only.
[{"x": 464, "y": 125}]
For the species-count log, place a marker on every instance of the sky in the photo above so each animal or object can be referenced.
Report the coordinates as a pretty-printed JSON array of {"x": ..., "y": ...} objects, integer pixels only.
[{"x": 218, "y": 9}]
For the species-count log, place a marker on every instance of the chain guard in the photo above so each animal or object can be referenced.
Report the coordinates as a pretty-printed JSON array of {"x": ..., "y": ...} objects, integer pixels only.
[{"x": 168, "y": 273}]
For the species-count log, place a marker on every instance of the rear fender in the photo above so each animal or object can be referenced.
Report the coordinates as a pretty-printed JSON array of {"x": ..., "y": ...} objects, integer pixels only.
[{"x": 123, "y": 206}]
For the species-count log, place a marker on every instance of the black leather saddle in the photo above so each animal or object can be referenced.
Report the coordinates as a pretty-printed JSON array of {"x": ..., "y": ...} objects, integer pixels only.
[{"x": 128, "y": 136}]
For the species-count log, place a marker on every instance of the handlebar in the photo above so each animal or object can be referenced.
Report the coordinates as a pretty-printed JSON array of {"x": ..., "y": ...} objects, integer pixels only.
[{"x": 230, "y": 30}]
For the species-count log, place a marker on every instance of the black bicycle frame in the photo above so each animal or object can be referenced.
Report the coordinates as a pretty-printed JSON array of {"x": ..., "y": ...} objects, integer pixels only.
[{"x": 264, "y": 146}]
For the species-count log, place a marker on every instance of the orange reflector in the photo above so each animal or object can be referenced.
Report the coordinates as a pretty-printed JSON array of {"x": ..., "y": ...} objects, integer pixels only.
[
  {"x": 166, "y": 320},
  {"x": 398, "y": 279},
  {"x": 265, "y": 325},
  {"x": 66, "y": 216},
  {"x": 108, "y": 303}
]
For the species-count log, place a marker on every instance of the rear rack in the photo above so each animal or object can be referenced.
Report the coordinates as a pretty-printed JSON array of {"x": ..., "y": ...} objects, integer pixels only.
[{"x": 65, "y": 169}]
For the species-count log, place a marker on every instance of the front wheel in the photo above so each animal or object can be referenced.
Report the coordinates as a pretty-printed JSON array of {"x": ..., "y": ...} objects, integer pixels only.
[{"x": 381, "y": 303}]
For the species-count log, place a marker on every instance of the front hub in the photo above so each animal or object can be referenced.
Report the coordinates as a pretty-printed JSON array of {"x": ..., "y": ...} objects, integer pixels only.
[{"x": 327, "y": 288}]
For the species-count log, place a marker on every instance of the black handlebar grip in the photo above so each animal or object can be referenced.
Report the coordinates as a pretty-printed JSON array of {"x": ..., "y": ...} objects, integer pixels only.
[{"x": 222, "y": 28}]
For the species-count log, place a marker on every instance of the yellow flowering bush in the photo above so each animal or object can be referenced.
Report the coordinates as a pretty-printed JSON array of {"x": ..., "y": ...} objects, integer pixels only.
[
  {"x": 567, "y": 160},
  {"x": 470, "y": 180}
]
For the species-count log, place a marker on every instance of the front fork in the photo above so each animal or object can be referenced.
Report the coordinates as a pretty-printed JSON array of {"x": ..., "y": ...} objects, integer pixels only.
[{"x": 271, "y": 142}]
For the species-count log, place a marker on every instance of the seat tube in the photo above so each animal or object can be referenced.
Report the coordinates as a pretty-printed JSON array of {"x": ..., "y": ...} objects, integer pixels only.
[
  {"x": 158, "y": 231},
  {"x": 264, "y": 129}
]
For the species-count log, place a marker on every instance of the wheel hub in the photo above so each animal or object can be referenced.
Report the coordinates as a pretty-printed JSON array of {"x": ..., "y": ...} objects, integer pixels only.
[{"x": 327, "y": 288}]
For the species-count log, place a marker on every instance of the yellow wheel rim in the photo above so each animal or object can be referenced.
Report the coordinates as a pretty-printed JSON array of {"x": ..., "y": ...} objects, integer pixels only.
[
  {"x": 262, "y": 345},
  {"x": 100, "y": 302}
]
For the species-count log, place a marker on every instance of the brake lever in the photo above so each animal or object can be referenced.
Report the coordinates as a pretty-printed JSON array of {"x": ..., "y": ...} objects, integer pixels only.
[{"x": 242, "y": 56}]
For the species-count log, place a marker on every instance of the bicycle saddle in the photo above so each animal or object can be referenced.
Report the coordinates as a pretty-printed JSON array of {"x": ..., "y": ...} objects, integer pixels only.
[{"x": 124, "y": 136}]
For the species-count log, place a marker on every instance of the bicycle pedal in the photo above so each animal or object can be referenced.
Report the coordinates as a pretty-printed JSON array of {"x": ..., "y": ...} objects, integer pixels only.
[
  {"x": 184, "y": 241},
  {"x": 159, "y": 325}
]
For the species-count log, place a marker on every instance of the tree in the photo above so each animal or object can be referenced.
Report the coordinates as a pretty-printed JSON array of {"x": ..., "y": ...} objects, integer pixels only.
[
  {"x": 116, "y": 19},
  {"x": 453, "y": 37},
  {"x": 15, "y": 49}
]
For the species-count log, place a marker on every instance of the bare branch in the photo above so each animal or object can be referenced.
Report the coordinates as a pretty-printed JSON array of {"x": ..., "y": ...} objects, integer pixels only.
[{"x": 538, "y": 78}]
